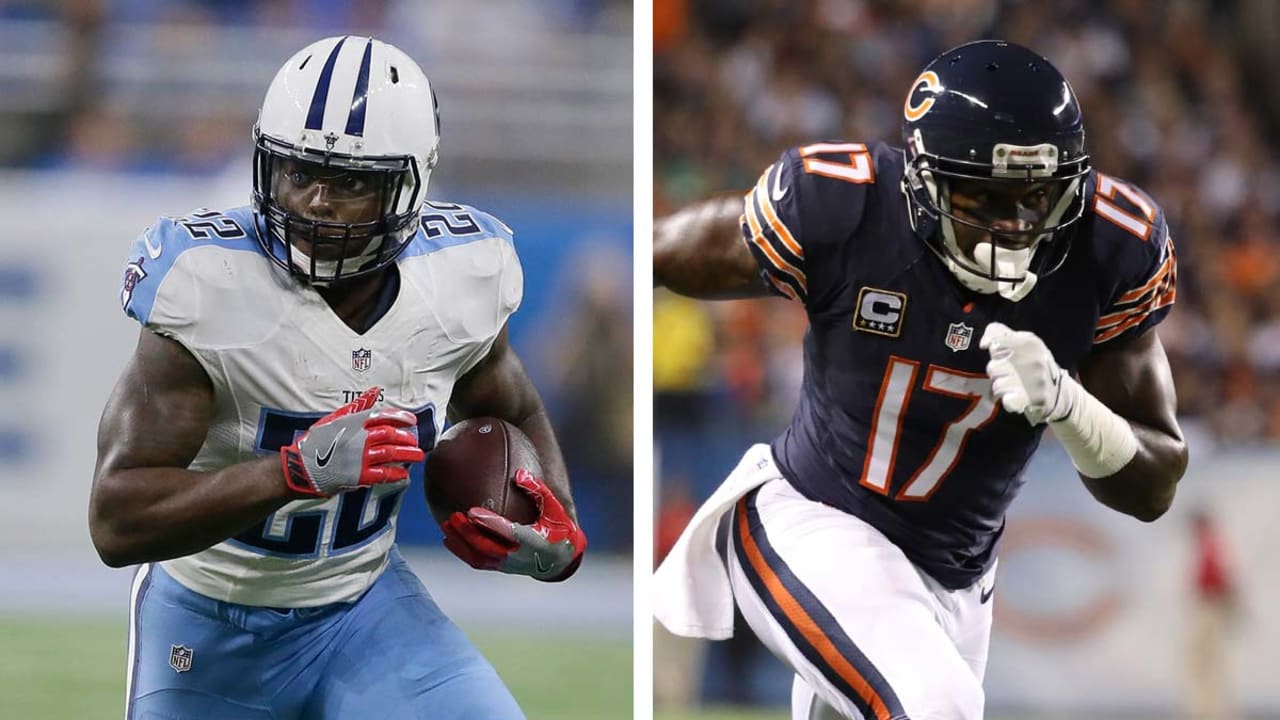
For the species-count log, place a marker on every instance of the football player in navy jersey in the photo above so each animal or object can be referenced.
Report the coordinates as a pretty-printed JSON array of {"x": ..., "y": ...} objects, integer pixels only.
[
  {"x": 245, "y": 467},
  {"x": 963, "y": 292}
]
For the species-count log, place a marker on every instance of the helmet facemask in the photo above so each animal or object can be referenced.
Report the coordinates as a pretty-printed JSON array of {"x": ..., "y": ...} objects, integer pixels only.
[
  {"x": 372, "y": 201},
  {"x": 1000, "y": 121},
  {"x": 1014, "y": 258}
]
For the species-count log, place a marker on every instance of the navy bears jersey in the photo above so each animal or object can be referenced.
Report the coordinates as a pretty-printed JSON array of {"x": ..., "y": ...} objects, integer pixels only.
[{"x": 896, "y": 423}]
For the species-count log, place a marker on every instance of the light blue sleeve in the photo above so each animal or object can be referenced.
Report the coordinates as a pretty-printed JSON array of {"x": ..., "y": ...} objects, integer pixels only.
[{"x": 156, "y": 250}]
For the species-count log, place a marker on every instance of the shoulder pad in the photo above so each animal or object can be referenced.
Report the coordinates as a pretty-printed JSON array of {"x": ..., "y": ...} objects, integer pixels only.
[
  {"x": 156, "y": 250},
  {"x": 168, "y": 275},
  {"x": 1131, "y": 240},
  {"x": 445, "y": 225},
  {"x": 803, "y": 207},
  {"x": 465, "y": 263}
]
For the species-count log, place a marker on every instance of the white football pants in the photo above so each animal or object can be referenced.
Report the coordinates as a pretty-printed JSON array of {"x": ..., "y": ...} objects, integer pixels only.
[{"x": 869, "y": 636}]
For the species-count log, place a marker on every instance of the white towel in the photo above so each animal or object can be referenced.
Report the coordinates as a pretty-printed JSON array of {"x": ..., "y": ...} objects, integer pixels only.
[{"x": 692, "y": 596}]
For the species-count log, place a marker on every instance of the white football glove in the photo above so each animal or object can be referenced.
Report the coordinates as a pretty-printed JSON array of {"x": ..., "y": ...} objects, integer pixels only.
[{"x": 1024, "y": 376}]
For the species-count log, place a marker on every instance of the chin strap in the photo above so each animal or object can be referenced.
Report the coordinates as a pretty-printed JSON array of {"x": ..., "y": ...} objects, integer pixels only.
[
  {"x": 328, "y": 268},
  {"x": 1008, "y": 263}
]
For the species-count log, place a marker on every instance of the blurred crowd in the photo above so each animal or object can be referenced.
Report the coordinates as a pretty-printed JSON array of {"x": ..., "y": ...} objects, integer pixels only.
[
  {"x": 172, "y": 86},
  {"x": 1176, "y": 99}
]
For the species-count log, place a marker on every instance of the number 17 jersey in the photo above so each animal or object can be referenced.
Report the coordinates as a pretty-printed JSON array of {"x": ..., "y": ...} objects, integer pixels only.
[
  {"x": 279, "y": 359},
  {"x": 896, "y": 422}
]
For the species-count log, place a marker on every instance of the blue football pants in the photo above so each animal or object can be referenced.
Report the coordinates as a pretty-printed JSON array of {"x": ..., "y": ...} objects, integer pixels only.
[{"x": 392, "y": 654}]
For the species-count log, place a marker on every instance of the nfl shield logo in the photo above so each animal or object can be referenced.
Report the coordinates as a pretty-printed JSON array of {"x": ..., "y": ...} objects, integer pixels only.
[
  {"x": 361, "y": 359},
  {"x": 180, "y": 657},
  {"x": 958, "y": 336}
]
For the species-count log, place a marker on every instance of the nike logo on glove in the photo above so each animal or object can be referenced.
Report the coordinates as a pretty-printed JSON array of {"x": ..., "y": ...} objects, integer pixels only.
[
  {"x": 537, "y": 562},
  {"x": 986, "y": 594},
  {"x": 323, "y": 459}
]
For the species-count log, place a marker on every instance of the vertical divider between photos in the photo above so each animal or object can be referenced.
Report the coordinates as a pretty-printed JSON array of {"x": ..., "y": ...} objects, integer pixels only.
[{"x": 643, "y": 456}]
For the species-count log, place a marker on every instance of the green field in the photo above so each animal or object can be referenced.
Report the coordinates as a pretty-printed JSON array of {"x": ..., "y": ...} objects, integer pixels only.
[{"x": 62, "y": 668}]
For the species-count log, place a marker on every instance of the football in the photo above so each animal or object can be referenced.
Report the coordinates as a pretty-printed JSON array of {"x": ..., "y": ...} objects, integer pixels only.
[{"x": 474, "y": 464}]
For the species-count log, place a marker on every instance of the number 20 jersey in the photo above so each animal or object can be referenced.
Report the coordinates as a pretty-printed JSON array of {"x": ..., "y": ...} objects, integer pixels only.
[
  {"x": 896, "y": 423},
  {"x": 279, "y": 359}
]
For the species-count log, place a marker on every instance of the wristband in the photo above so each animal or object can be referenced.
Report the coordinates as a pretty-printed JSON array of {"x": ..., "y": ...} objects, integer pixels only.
[{"x": 1099, "y": 441}]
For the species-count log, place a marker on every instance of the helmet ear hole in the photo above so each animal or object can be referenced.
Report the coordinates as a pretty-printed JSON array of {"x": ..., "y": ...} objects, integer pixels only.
[{"x": 395, "y": 75}]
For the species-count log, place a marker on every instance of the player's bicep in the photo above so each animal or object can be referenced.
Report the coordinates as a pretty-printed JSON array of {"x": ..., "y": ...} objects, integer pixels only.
[
  {"x": 1135, "y": 382},
  {"x": 159, "y": 412},
  {"x": 698, "y": 251},
  {"x": 496, "y": 387}
]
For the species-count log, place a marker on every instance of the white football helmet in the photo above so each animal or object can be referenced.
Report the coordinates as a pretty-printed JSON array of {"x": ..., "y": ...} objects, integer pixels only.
[{"x": 347, "y": 106}]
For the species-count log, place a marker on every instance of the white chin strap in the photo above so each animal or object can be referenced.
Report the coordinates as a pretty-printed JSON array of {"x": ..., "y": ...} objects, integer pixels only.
[
  {"x": 302, "y": 261},
  {"x": 1008, "y": 263}
]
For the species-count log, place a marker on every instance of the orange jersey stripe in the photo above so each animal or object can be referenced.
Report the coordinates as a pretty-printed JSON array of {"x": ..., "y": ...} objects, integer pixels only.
[
  {"x": 766, "y": 204},
  {"x": 1161, "y": 297},
  {"x": 1157, "y": 302},
  {"x": 1163, "y": 300},
  {"x": 784, "y": 288},
  {"x": 1150, "y": 296},
  {"x": 757, "y": 238},
  {"x": 1155, "y": 280},
  {"x": 804, "y": 623}
]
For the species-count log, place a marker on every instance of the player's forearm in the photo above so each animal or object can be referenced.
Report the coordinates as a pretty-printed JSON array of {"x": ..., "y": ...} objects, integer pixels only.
[
  {"x": 1127, "y": 464},
  {"x": 537, "y": 426},
  {"x": 699, "y": 252},
  {"x": 149, "y": 514},
  {"x": 1145, "y": 486}
]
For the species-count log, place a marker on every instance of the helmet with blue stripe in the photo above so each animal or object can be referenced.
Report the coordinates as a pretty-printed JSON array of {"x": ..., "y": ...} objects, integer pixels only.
[{"x": 360, "y": 117}]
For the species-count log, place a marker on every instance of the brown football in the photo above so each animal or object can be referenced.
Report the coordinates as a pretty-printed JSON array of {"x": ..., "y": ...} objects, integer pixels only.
[{"x": 474, "y": 464}]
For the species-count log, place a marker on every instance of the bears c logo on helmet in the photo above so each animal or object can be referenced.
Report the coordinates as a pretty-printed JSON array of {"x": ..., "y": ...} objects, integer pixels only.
[{"x": 926, "y": 83}]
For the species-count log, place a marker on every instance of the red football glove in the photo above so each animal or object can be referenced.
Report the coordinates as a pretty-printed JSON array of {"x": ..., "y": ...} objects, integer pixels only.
[
  {"x": 550, "y": 549},
  {"x": 351, "y": 447}
]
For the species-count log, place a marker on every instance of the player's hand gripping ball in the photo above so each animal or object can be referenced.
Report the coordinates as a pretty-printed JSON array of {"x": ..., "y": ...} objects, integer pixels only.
[
  {"x": 483, "y": 487},
  {"x": 473, "y": 465}
]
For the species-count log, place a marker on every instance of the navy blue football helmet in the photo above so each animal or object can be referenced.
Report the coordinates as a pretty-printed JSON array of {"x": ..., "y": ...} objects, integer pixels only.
[{"x": 992, "y": 115}]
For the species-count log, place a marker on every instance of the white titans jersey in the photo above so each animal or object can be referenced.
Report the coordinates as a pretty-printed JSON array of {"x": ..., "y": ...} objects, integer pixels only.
[{"x": 279, "y": 359}]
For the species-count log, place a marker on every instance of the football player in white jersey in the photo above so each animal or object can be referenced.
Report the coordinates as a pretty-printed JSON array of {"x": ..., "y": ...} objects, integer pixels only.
[{"x": 296, "y": 356}]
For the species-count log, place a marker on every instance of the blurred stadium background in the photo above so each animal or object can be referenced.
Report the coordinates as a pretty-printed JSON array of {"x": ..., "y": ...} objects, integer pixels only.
[
  {"x": 1097, "y": 615},
  {"x": 113, "y": 112}
]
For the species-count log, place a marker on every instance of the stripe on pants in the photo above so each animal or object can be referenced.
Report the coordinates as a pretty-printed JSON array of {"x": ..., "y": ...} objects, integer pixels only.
[
  {"x": 141, "y": 584},
  {"x": 811, "y": 627}
]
